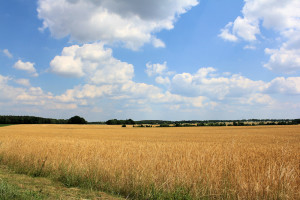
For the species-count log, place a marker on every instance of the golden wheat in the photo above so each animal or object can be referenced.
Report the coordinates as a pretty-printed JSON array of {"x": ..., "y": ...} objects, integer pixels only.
[{"x": 261, "y": 162}]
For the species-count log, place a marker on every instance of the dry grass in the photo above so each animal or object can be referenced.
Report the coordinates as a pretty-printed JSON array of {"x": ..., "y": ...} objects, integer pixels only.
[{"x": 161, "y": 163}]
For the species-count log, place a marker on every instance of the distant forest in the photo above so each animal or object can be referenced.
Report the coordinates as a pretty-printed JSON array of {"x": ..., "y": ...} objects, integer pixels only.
[
  {"x": 30, "y": 120},
  {"x": 9, "y": 119},
  {"x": 39, "y": 120}
]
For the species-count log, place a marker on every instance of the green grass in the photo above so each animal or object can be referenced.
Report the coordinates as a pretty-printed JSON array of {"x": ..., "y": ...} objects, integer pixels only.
[
  {"x": 9, "y": 191},
  {"x": 23, "y": 187},
  {"x": 2, "y": 125}
]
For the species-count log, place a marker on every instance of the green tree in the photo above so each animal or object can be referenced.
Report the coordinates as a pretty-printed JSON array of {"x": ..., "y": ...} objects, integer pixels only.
[
  {"x": 296, "y": 121},
  {"x": 77, "y": 120},
  {"x": 129, "y": 121}
]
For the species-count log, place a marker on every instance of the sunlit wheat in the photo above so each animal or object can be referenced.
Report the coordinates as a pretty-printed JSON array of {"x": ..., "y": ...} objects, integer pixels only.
[{"x": 261, "y": 162}]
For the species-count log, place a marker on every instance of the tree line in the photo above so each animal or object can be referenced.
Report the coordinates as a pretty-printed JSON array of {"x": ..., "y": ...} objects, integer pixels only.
[
  {"x": 9, "y": 119},
  {"x": 190, "y": 123},
  {"x": 120, "y": 122}
]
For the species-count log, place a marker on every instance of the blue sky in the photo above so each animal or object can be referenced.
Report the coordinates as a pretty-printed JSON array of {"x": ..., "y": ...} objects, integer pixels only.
[{"x": 172, "y": 60}]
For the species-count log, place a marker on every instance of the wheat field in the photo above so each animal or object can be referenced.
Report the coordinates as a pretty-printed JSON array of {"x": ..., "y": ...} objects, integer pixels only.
[{"x": 259, "y": 162}]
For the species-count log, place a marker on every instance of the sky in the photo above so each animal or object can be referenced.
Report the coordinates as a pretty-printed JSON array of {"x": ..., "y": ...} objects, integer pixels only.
[{"x": 159, "y": 59}]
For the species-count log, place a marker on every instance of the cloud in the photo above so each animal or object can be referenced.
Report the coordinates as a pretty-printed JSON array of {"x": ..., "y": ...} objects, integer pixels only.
[
  {"x": 235, "y": 93},
  {"x": 158, "y": 43},
  {"x": 92, "y": 61},
  {"x": 241, "y": 28},
  {"x": 203, "y": 90},
  {"x": 250, "y": 47},
  {"x": 286, "y": 59},
  {"x": 66, "y": 64},
  {"x": 7, "y": 53},
  {"x": 20, "y": 98},
  {"x": 205, "y": 71},
  {"x": 206, "y": 83},
  {"x": 3, "y": 79},
  {"x": 132, "y": 22},
  {"x": 86, "y": 91},
  {"x": 226, "y": 35},
  {"x": 24, "y": 82},
  {"x": 277, "y": 15},
  {"x": 245, "y": 28},
  {"x": 8, "y": 93},
  {"x": 13, "y": 94},
  {"x": 162, "y": 80},
  {"x": 281, "y": 85},
  {"x": 26, "y": 66},
  {"x": 111, "y": 80},
  {"x": 156, "y": 69},
  {"x": 219, "y": 88},
  {"x": 257, "y": 99},
  {"x": 131, "y": 94}
]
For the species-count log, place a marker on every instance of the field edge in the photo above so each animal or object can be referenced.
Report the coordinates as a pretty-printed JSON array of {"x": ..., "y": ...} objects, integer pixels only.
[{"x": 21, "y": 186}]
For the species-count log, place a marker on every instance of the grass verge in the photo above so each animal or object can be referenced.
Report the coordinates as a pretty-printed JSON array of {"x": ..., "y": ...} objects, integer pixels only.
[
  {"x": 2, "y": 125},
  {"x": 9, "y": 191},
  {"x": 23, "y": 187}
]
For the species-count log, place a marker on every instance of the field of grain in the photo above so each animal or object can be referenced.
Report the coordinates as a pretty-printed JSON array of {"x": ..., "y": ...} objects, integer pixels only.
[{"x": 260, "y": 162}]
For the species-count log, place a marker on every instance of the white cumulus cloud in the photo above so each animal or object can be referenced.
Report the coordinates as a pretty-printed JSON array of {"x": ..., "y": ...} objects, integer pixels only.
[
  {"x": 226, "y": 35},
  {"x": 278, "y": 15},
  {"x": 26, "y": 66},
  {"x": 131, "y": 22},
  {"x": 67, "y": 64},
  {"x": 283, "y": 17},
  {"x": 205, "y": 83},
  {"x": 28, "y": 98},
  {"x": 286, "y": 59},
  {"x": 241, "y": 28},
  {"x": 290, "y": 85},
  {"x": 92, "y": 61}
]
